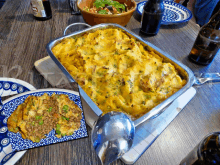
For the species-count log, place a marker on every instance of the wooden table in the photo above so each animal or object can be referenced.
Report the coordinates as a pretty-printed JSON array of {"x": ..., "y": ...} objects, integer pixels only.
[{"x": 23, "y": 41}]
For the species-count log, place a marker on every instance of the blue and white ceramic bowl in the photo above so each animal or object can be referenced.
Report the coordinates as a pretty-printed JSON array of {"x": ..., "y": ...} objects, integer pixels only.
[
  {"x": 174, "y": 13},
  {"x": 10, "y": 141}
]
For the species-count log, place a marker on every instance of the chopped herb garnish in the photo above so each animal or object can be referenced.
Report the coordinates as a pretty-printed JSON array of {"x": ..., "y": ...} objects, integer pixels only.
[
  {"x": 41, "y": 122},
  {"x": 38, "y": 117},
  {"x": 50, "y": 109},
  {"x": 33, "y": 123},
  {"x": 65, "y": 108},
  {"x": 100, "y": 74},
  {"x": 37, "y": 139},
  {"x": 148, "y": 96},
  {"x": 70, "y": 133},
  {"x": 58, "y": 127},
  {"x": 65, "y": 118},
  {"x": 58, "y": 132}
]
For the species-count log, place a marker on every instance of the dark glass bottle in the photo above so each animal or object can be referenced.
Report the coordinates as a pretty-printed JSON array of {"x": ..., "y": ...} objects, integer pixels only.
[
  {"x": 207, "y": 152},
  {"x": 207, "y": 43},
  {"x": 41, "y": 9},
  {"x": 152, "y": 17}
]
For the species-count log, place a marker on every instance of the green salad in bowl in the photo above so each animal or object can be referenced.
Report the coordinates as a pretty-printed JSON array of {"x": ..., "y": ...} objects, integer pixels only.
[{"x": 107, "y": 7}]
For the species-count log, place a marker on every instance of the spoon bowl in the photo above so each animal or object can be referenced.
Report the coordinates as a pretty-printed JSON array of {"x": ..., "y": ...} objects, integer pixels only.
[{"x": 112, "y": 136}]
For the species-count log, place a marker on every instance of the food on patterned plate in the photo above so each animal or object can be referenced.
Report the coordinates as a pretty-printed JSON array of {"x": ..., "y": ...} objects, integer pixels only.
[
  {"x": 117, "y": 72},
  {"x": 38, "y": 115}
]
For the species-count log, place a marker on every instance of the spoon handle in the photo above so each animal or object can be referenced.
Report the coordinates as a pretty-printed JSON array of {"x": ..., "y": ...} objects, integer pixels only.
[
  {"x": 207, "y": 77},
  {"x": 213, "y": 75}
]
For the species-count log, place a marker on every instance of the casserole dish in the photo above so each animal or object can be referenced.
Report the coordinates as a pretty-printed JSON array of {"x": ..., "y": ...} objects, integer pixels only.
[{"x": 183, "y": 71}]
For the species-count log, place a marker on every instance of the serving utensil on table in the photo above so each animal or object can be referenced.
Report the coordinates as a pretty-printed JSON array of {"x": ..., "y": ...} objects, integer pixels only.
[
  {"x": 207, "y": 77},
  {"x": 112, "y": 136},
  {"x": 102, "y": 146},
  {"x": 113, "y": 133}
]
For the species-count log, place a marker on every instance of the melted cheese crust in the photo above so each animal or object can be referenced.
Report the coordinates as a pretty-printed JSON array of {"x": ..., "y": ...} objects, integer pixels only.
[{"x": 117, "y": 72}]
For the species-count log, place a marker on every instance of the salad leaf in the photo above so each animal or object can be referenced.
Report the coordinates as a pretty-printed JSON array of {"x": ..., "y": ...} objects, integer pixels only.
[
  {"x": 107, "y": 2},
  {"x": 99, "y": 3},
  {"x": 102, "y": 12},
  {"x": 103, "y": 3},
  {"x": 120, "y": 6}
]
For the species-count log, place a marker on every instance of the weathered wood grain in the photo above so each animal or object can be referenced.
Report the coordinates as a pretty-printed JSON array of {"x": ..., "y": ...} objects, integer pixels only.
[{"x": 23, "y": 41}]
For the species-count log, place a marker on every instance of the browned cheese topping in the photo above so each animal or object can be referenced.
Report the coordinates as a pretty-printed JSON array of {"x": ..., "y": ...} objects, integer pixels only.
[{"x": 118, "y": 72}]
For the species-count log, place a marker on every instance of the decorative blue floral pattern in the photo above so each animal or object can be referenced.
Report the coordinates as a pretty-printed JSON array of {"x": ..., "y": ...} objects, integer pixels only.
[
  {"x": 15, "y": 139},
  {"x": 13, "y": 87},
  {"x": 7, "y": 157},
  {"x": 9, "y": 86},
  {"x": 174, "y": 13}
]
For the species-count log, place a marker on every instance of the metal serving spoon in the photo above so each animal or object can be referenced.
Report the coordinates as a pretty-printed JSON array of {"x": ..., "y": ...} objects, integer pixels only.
[
  {"x": 207, "y": 77},
  {"x": 112, "y": 136},
  {"x": 113, "y": 133}
]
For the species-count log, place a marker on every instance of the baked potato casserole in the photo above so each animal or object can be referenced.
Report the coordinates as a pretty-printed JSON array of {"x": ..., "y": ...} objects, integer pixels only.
[
  {"x": 37, "y": 116},
  {"x": 117, "y": 72}
]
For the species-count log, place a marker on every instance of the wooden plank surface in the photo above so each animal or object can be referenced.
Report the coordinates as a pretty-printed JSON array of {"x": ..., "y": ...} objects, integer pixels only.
[{"x": 23, "y": 41}]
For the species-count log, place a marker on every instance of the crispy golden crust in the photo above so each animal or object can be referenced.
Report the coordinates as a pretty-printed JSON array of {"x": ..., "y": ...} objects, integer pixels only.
[
  {"x": 117, "y": 72},
  {"x": 37, "y": 116}
]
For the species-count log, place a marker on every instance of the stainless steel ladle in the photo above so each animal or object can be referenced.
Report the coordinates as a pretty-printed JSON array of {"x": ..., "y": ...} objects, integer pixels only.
[
  {"x": 113, "y": 133},
  {"x": 112, "y": 136}
]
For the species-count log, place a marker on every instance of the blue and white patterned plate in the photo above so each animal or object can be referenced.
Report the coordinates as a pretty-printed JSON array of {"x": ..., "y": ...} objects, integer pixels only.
[
  {"x": 10, "y": 141},
  {"x": 174, "y": 13},
  {"x": 10, "y": 86}
]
